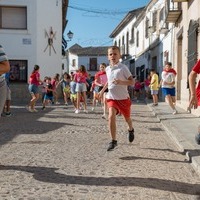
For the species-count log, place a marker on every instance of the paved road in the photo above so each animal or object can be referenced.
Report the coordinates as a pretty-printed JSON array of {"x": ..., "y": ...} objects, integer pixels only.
[{"x": 58, "y": 155}]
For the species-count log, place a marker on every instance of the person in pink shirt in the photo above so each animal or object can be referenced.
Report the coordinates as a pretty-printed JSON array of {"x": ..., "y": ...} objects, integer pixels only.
[
  {"x": 34, "y": 82},
  {"x": 81, "y": 87},
  {"x": 101, "y": 80},
  {"x": 194, "y": 101}
]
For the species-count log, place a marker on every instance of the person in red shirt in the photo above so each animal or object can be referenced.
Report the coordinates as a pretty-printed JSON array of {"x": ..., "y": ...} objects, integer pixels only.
[
  {"x": 34, "y": 82},
  {"x": 137, "y": 89},
  {"x": 146, "y": 84},
  {"x": 194, "y": 101}
]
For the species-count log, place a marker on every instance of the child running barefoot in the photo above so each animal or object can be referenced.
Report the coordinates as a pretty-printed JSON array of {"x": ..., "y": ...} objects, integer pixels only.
[{"x": 119, "y": 77}]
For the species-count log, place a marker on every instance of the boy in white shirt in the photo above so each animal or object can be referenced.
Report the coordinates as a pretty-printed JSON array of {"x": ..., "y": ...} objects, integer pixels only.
[{"x": 118, "y": 101}]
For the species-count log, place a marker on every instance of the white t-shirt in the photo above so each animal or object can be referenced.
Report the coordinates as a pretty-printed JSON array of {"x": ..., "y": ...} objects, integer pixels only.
[
  {"x": 121, "y": 72},
  {"x": 168, "y": 77}
]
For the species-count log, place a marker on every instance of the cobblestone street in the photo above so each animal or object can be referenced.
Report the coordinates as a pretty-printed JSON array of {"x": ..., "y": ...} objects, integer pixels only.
[{"x": 58, "y": 155}]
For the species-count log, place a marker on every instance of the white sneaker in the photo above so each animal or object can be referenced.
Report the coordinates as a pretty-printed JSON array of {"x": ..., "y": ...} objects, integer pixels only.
[
  {"x": 34, "y": 110},
  {"x": 93, "y": 108},
  {"x": 174, "y": 112},
  {"x": 85, "y": 111},
  {"x": 189, "y": 110},
  {"x": 29, "y": 109},
  {"x": 77, "y": 111}
]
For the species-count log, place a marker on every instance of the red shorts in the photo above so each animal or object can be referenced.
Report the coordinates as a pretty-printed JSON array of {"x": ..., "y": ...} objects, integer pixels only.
[{"x": 122, "y": 106}]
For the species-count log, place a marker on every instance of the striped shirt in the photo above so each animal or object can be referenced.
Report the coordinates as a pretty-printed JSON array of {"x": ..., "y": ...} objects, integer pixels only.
[{"x": 3, "y": 57}]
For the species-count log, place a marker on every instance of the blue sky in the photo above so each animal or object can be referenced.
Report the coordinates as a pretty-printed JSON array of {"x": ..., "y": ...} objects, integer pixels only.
[{"x": 92, "y": 21}]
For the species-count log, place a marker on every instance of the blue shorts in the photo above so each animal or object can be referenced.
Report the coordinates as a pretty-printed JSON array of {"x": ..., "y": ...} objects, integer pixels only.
[
  {"x": 47, "y": 97},
  {"x": 169, "y": 91},
  {"x": 33, "y": 89}
]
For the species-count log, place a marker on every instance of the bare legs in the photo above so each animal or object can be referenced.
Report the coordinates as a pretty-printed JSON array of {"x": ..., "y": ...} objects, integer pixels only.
[
  {"x": 112, "y": 122},
  {"x": 35, "y": 97}
]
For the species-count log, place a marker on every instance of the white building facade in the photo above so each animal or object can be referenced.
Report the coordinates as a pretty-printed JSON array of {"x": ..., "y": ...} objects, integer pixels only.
[
  {"x": 149, "y": 39},
  {"x": 90, "y": 57},
  {"x": 31, "y": 33}
]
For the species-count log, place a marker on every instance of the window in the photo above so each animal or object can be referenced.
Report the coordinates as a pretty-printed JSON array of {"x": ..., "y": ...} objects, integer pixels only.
[
  {"x": 74, "y": 63},
  {"x": 154, "y": 21},
  {"x": 132, "y": 41},
  {"x": 138, "y": 39},
  {"x": 127, "y": 43},
  {"x": 119, "y": 43},
  {"x": 161, "y": 17},
  {"x": 147, "y": 28},
  {"x": 13, "y": 17},
  {"x": 93, "y": 64},
  {"x": 18, "y": 70}
]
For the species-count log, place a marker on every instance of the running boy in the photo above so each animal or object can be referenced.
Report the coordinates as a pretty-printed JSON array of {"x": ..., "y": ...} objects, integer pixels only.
[{"x": 119, "y": 77}]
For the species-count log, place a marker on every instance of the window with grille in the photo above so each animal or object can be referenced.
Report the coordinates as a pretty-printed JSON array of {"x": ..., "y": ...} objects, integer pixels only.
[
  {"x": 13, "y": 17},
  {"x": 154, "y": 21},
  {"x": 147, "y": 28},
  {"x": 74, "y": 63},
  {"x": 138, "y": 39},
  {"x": 132, "y": 41},
  {"x": 18, "y": 70},
  {"x": 93, "y": 64}
]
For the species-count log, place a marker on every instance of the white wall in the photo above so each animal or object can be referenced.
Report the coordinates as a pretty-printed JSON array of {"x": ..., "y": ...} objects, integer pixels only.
[
  {"x": 41, "y": 15},
  {"x": 49, "y": 14},
  {"x": 85, "y": 60}
]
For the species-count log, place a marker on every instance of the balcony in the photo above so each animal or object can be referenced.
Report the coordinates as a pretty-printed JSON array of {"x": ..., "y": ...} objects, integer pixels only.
[
  {"x": 173, "y": 11},
  {"x": 180, "y": 0}
]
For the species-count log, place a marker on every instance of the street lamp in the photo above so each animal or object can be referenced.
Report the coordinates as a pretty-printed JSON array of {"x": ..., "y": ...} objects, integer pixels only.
[
  {"x": 70, "y": 35},
  {"x": 64, "y": 41}
]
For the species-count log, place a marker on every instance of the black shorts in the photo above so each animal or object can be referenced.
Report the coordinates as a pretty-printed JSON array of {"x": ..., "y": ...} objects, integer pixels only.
[{"x": 101, "y": 87}]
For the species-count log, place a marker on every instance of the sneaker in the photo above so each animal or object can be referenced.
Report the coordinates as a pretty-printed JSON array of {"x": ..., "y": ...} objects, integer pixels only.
[
  {"x": 66, "y": 104},
  {"x": 85, "y": 111},
  {"x": 154, "y": 104},
  {"x": 93, "y": 109},
  {"x": 77, "y": 111},
  {"x": 57, "y": 103},
  {"x": 103, "y": 116},
  {"x": 112, "y": 145},
  {"x": 174, "y": 112},
  {"x": 8, "y": 114},
  {"x": 188, "y": 110},
  {"x": 197, "y": 138},
  {"x": 34, "y": 110},
  {"x": 131, "y": 135},
  {"x": 43, "y": 108}
]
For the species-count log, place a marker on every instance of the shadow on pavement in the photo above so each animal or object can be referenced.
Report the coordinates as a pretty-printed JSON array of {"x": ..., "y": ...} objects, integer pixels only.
[
  {"x": 45, "y": 174},
  {"x": 156, "y": 159},
  {"x": 24, "y": 122}
]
